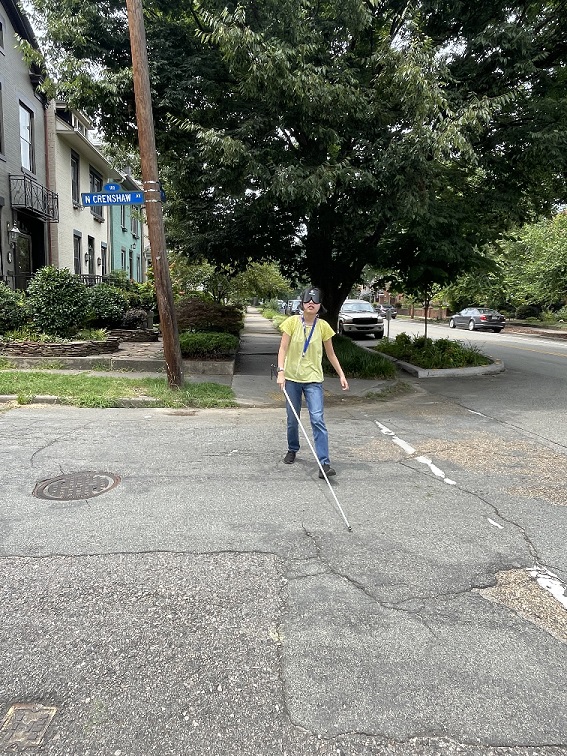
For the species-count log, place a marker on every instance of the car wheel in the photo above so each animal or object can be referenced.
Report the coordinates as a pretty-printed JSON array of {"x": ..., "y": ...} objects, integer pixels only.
[
  {"x": 341, "y": 329},
  {"x": 497, "y": 330},
  {"x": 452, "y": 323},
  {"x": 471, "y": 325},
  {"x": 379, "y": 335}
]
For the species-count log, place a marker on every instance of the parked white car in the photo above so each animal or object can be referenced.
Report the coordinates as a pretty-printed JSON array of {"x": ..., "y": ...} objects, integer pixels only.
[{"x": 358, "y": 317}]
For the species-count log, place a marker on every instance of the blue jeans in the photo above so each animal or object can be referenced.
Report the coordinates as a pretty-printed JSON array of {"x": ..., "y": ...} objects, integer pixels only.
[{"x": 314, "y": 400}]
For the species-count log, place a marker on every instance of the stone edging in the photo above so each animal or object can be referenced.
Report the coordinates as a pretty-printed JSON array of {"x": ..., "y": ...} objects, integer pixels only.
[{"x": 35, "y": 349}]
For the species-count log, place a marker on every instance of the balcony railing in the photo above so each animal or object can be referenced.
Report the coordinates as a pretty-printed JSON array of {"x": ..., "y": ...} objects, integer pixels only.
[
  {"x": 28, "y": 194},
  {"x": 20, "y": 281}
]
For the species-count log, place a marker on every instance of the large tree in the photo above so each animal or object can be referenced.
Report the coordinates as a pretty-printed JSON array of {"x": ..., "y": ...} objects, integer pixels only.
[{"x": 329, "y": 134}]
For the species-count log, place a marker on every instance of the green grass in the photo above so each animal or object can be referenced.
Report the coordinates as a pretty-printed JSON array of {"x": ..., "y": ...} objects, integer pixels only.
[
  {"x": 97, "y": 391},
  {"x": 430, "y": 354},
  {"x": 357, "y": 362}
]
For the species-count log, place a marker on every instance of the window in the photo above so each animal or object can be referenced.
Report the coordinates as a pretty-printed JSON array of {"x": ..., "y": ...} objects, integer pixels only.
[
  {"x": 77, "y": 254},
  {"x": 123, "y": 217},
  {"x": 131, "y": 263},
  {"x": 75, "y": 178},
  {"x": 123, "y": 258},
  {"x": 134, "y": 224},
  {"x": 103, "y": 248},
  {"x": 26, "y": 138},
  {"x": 95, "y": 180},
  {"x": 138, "y": 269}
]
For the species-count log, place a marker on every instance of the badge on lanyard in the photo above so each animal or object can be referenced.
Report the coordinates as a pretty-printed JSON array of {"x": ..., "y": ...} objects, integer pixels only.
[{"x": 306, "y": 338}]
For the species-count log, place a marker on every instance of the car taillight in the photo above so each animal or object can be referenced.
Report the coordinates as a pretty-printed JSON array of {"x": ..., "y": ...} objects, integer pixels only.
[{"x": 483, "y": 317}]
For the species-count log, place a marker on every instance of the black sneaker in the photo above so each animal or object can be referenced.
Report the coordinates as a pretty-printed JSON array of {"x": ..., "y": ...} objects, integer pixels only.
[
  {"x": 328, "y": 471},
  {"x": 289, "y": 458}
]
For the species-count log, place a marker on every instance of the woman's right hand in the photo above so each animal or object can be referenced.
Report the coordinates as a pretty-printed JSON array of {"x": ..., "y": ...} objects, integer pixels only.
[{"x": 281, "y": 379}]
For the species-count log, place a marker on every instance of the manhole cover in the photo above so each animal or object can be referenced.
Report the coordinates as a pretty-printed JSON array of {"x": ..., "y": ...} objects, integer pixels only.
[
  {"x": 24, "y": 725},
  {"x": 74, "y": 486}
]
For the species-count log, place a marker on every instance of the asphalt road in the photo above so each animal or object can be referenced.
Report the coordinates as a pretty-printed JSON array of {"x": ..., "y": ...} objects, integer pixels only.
[{"x": 532, "y": 392}]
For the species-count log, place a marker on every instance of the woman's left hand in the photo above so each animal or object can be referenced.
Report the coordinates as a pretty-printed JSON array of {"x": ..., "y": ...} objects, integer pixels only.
[{"x": 344, "y": 383}]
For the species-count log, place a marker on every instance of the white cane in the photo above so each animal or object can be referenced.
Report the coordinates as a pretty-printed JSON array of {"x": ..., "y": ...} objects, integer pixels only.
[{"x": 317, "y": 459}]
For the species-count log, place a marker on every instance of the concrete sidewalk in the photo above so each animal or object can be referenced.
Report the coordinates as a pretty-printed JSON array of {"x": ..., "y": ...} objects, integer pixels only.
[{"x": 252, "y": 384}]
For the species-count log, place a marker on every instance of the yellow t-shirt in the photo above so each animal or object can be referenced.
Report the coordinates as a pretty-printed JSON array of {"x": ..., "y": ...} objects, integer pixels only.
[{"x": 299, "y": 367}]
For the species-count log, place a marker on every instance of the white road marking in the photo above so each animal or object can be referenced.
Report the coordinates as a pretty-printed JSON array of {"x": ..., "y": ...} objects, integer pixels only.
[
  {"x": 550, "y": 582},
  {"x": 435, "y": 470},
  {"x": 406, "y": 447},
  {"x": 411, "y": 451},
  {"x": 496, "y": 524}
]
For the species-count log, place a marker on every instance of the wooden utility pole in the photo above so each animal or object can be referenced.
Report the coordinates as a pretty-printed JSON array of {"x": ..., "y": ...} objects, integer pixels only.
[{"x": 152, "y": 193}]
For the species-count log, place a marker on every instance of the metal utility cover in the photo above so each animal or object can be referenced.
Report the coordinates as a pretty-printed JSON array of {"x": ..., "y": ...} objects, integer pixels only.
[
  {"x": 76, "y": 486},
  {"x": 25, "y": 725}
]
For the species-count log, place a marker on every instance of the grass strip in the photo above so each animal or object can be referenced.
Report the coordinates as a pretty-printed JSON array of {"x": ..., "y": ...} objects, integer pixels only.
[
  {"x": 96, "y": 391},
  {"x": 357, "y": 362}
]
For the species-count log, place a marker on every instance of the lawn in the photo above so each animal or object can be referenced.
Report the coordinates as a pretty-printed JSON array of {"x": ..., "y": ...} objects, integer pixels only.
[{"x": 96, "y": 391}]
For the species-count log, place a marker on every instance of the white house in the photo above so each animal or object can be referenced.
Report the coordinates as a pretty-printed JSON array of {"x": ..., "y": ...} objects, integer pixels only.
[{"x": 81, "y": 239}]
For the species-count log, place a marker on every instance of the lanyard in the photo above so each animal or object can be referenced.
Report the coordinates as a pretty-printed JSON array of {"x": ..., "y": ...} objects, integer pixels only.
[{"x": 306, "y": 338}]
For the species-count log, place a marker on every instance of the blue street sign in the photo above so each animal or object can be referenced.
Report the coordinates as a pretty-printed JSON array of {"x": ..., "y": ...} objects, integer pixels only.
[
  {"x": 112, "y": 187},
  {"x": 113, "y": 198}
]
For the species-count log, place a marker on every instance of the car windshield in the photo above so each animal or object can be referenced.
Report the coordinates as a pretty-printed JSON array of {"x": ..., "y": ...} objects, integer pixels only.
[
  {"x": 485, "y": 310},
  {"x": 357, "y": 307}
]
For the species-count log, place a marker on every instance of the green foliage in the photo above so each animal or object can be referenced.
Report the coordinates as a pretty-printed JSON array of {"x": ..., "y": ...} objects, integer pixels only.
[
  {"x": 91, "y": 334},
  {"x": 28, "y": 332},
  {"x": 202, "y": 346},
  {"x": 94, "y": 391},
  {"x": 327, "y": 136},
  {"x": 58, "y": 301},
  {"x": 357, "y": 362},
  {"x": 107, "y": 305},
  {"x": 429, "y": 354},
  {"x": 523, "y": 312},
  {"x": 194, "y": 314},
  {"x": 12, "y": 309},
  {"x": 530, "y": 270}
]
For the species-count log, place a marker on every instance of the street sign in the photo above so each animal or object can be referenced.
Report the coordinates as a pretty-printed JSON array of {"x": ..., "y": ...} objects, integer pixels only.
[{"x": 113, "y": 198}]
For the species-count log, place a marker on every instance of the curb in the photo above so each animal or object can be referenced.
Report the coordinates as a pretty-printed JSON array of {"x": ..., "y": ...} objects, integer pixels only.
[
  {"x": 497, "y": 366},
  {"x": 133, "y": 402}
]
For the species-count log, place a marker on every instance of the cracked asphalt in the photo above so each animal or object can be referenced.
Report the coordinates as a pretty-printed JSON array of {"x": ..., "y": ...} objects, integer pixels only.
[{"x": 213, "y": 602}]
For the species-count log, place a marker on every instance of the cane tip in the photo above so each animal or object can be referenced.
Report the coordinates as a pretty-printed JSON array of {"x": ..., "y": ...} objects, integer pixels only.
[{"x": 349, "y": 529}]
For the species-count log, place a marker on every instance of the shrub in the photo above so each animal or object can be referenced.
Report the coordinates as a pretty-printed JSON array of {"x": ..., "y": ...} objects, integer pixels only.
[
  {"x": 194, "y": 314},
  {"x": 527, "y": 311},
  {"x": 208, "y": 345},
  {"x": 58, "y": 301},
  {"x": 12, "y": 309},
  {"x": 107, "y": 305},
  {"x": 134, "y": 318},
  {"x": 429, "y": 354}
]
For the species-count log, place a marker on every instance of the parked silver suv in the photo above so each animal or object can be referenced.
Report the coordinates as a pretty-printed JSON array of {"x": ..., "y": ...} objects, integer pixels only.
[{"x": 358, "y": 317}]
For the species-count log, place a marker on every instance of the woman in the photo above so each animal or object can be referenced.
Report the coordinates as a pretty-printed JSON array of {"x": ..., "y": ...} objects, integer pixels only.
[{"x": 300, "y": 372}]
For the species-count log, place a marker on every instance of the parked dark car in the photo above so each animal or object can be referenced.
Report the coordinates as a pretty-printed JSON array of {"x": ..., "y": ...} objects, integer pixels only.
[
  {"x": 383, "y": 309},
  {"x": 478, "y": 319},
  {"x": 358, "y": 317}
]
